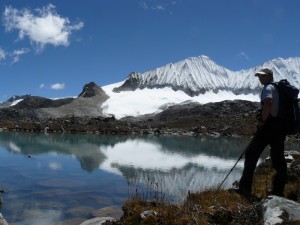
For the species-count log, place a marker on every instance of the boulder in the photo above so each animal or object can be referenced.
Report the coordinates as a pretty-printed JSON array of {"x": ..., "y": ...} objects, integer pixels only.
[
  {"x": 111, "y": 211},
  {"x": 97, "y": 221},
  {"x": 2, "y": 220},
  {"x": 278, "y": 210}
]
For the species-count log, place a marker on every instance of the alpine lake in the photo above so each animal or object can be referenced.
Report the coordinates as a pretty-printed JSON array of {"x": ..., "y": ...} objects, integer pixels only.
[{"x": 51, "y": 178}]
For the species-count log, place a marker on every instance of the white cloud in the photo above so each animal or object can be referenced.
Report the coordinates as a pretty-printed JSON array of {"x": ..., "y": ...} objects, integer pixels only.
[
  {"x": 2, "y": 54},
  {"x": 157, "y": 5},
  {"x": 42, "y": 86},
  {"x": 243, "y": 55},
  {"x": 58, "y": 86},
  {"x": 55, "y": 166},
  {"x": 17, "y": 53},
  {"x": 42, "y": 26},
  {"x": 144, "y": 5},
  {"x": 13, "y": 56}
]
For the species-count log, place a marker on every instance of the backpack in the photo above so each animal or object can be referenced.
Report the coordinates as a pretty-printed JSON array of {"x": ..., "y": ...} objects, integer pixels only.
[{"x": 288, "y": 106}]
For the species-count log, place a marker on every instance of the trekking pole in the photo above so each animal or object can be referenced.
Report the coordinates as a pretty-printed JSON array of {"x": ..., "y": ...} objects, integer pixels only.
[{"x": 241, "y": 156}]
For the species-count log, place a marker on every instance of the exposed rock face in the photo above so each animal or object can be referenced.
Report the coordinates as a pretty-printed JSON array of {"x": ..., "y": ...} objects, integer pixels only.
[
  {"x": 15, "y": 98},
  {"x": 131, "y": 83},
  {"x": 91, "y": 89},
  {"x": 35, "y": 102},
  {"x": 28, "y": 108}
]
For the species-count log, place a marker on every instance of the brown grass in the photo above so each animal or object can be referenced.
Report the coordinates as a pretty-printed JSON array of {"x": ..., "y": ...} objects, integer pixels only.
[
  {"x": 211, "y": 206},
  {"x": 207, "y": 207}
]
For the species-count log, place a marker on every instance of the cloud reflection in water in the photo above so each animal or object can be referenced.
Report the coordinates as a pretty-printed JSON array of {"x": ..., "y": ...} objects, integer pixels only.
[{"x": 148, "y": 156}]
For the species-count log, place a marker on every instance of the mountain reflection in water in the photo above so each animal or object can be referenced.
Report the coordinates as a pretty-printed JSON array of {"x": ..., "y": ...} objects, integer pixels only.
[
  {"x": 109, "y": 167},
  {"x": 142, "y": 152}
]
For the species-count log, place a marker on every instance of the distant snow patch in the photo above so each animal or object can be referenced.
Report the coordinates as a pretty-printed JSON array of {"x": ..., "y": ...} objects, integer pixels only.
[{"x": 16, "y": 102}]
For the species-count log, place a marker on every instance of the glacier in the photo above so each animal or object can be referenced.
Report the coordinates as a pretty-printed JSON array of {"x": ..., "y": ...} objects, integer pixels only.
[{"x": 147, "y": 101}]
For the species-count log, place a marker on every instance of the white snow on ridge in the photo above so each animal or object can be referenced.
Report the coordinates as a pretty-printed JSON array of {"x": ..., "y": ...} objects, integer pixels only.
[
  {"x": 201, "y": 73},
  {"x": 193, "y": 73},
  {"x": 16, "y": 102},
  {"x": 145, "y": 101},
  {"x": 20, "y": 100}
]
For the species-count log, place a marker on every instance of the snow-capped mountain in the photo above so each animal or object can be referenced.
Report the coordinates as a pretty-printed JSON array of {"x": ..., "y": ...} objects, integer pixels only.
[
  {"x": 196, "y": 79},
  {"x": 198, "y": 75}
]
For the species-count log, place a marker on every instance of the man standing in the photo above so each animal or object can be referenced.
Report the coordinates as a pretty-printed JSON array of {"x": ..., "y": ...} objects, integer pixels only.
[{"x": 270, "y": 132}]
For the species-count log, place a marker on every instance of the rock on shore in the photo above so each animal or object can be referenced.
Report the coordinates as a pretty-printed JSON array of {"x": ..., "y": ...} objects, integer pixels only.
[{"x": 2, "y": 220}]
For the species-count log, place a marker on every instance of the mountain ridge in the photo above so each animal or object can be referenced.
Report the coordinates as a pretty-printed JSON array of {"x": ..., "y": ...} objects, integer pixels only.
[{"x": 198, "y": 75}]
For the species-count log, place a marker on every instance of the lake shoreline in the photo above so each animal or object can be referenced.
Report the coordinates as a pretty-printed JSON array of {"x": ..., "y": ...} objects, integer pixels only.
[
  {"x": 227, "y": 118},
  {"x": 222, "y": 119}
]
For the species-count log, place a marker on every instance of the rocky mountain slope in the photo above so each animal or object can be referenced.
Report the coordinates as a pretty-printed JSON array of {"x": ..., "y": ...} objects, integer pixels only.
[
  {"x": 217, "y": 119},
  {"x": 87, "y": 104}
]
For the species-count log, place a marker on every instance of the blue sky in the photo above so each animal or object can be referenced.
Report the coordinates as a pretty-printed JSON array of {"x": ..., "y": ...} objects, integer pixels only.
[{"x": 51, "y": 48}]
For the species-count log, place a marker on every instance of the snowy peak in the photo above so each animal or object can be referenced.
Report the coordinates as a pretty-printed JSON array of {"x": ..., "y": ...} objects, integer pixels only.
[
  {"x": 198, "y": 75},
  {"x": 193, "y": 75}
]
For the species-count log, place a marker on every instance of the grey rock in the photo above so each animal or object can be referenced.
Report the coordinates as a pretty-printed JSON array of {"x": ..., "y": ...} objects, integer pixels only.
[
  {"x": 147, "y": 213},
  {"x": 91, "y": 89},
  {"x": 97, "y": 221},
  {"x": 2, "y": 220},
  {"x": 111, "y": 211},
  {"x": 277, "y": 210},
  {"x": 131, "y": 84}
]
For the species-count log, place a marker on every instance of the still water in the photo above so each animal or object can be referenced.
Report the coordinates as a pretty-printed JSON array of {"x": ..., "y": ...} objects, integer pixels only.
[{"x": 51, "y": 178}]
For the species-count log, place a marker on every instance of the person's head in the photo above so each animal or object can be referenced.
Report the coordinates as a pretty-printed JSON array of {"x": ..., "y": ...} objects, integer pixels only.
[{"x": 265, "y": 75}]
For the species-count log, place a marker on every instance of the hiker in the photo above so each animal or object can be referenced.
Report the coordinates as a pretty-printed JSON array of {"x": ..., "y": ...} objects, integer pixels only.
[{"x": 269, "y": 132}]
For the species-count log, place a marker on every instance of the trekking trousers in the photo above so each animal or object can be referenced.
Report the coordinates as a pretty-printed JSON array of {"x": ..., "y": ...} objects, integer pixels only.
[{"x": 273, "y": 134}]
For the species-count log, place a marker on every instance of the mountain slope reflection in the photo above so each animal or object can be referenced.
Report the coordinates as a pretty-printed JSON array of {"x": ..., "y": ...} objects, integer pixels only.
[
  {"x": 85, "y": 148},
  {"x": 143, "y": 162},
  {"x": 148, "y": 152}
]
